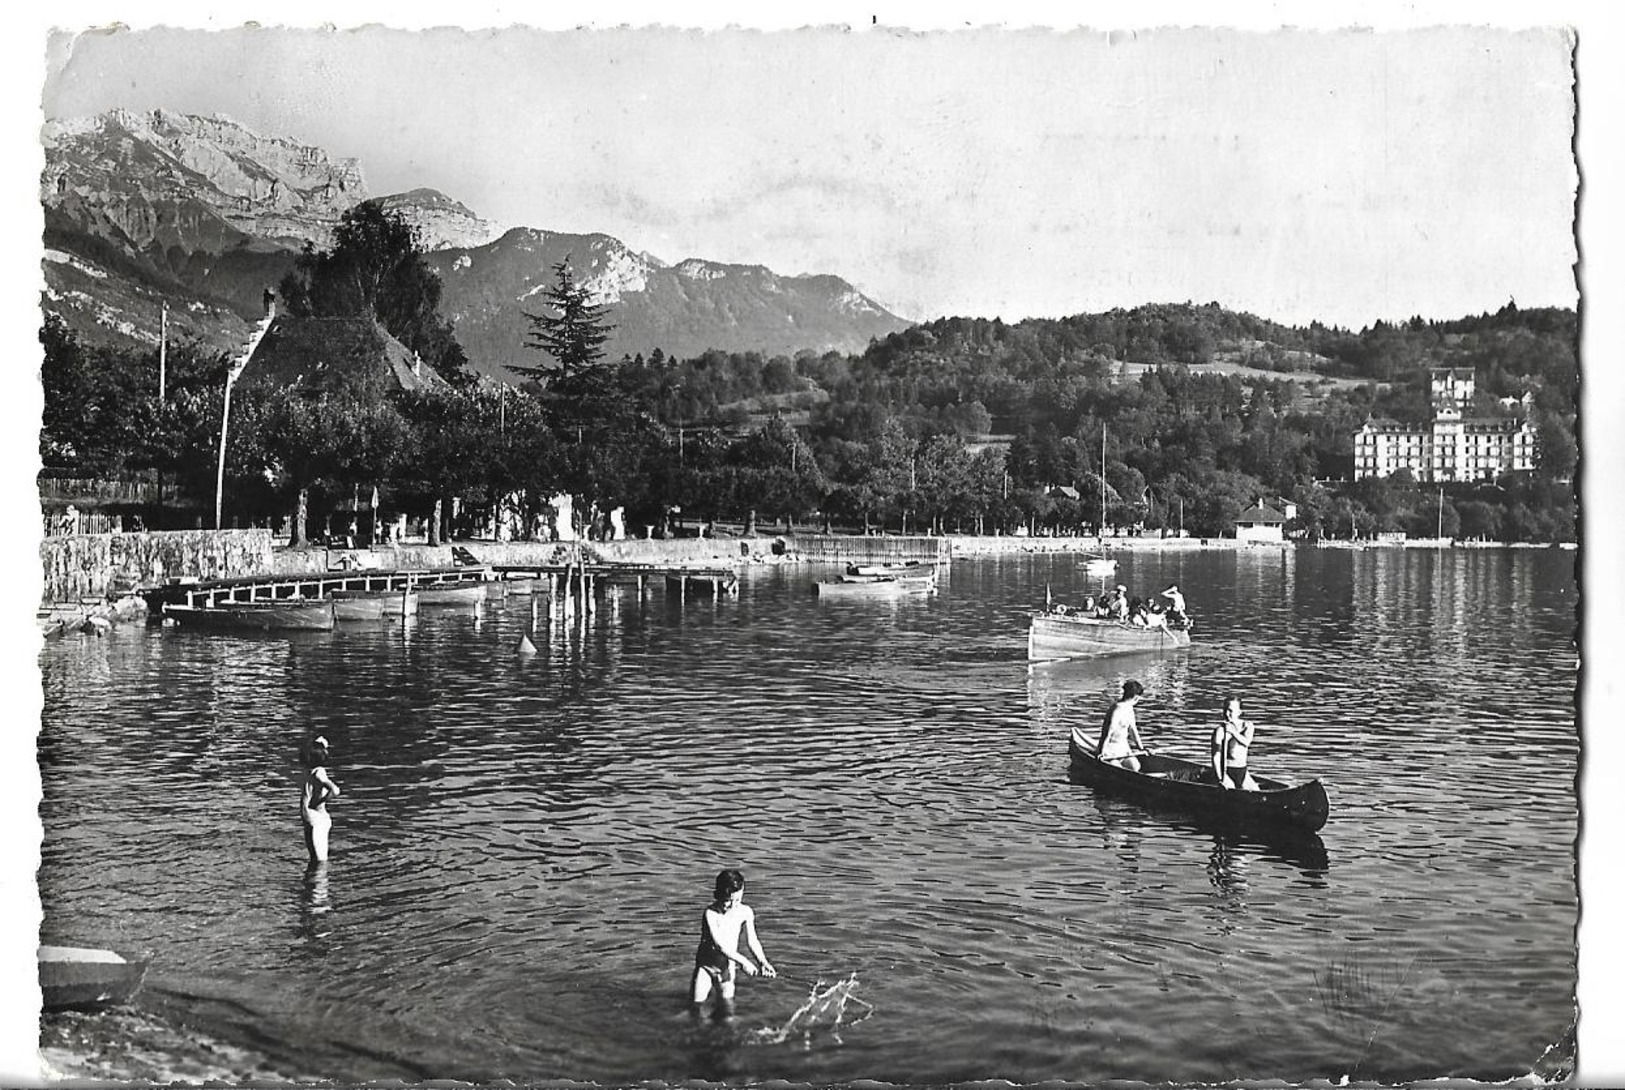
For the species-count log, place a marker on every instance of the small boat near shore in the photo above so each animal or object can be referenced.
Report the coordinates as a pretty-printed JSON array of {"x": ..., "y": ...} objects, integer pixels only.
[
  {"x": 879, "y": 579},
  {"x": 451, "y": 595},
  {"x": 86, "y": 979},
  {"x": 1059, "y": 633},
  {"x": 373, "y": 605},
  {"x": 871, "y": 585},
  {"x": 1175, "y": 784},
  {"x": 281, "y": 615},
  {"x": 912, "y": 569}
]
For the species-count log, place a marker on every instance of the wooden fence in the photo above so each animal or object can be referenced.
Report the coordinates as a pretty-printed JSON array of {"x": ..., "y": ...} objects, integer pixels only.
[{"x": 70, "y": 522}]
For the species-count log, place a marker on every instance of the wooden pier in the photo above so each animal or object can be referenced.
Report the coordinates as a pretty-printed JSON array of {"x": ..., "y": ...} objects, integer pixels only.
[{"x": 563, "y": 581}]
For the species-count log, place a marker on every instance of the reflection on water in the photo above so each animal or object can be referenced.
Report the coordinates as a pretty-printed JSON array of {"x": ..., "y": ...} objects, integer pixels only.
[{"x": 525, "y": 841}]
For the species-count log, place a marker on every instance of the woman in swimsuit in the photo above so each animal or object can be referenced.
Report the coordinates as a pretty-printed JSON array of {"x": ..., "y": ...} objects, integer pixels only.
[
  {"x": 1120, "y": 732},
  {"x": 718, "y": 957},
  {"x": 317, "y": 788}
]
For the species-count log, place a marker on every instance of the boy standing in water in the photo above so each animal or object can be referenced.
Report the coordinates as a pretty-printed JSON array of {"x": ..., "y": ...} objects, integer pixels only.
[
  {"x": 718, "y": 957},
  {"x": 317, "y": 788}
]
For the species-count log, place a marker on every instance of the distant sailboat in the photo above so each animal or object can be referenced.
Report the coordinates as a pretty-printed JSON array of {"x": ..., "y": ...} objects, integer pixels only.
[{"x": 1102, "y": 566}]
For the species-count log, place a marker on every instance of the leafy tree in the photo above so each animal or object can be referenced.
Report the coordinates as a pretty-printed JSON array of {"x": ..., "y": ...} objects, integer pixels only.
[
  {"x": 943, "y": 475},
  {"x": 376, "y": 268},
  {"x": 1479, "y": 521},
  {"x": 67, "y": 427},
  {"x": 299, "y": 442},
  {"x": 1557, "y": 454},
  {"x": 455, "y": 439},
  {"x": 776, "y": 471}
]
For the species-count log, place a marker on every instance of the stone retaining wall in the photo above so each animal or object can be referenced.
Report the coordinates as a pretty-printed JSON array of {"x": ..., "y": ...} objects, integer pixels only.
[
  {"x": 107, "y": 565},
  {"x": 1012, "y": 544}
]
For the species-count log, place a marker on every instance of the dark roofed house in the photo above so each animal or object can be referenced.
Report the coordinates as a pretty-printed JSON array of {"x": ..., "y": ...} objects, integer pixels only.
[
  {"x": 1260, "y": 523},
  {"x": 337, "y": 354}
]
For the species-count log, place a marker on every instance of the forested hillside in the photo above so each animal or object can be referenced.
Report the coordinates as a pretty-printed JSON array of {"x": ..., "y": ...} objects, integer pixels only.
[{"x": 957, "y": 424}]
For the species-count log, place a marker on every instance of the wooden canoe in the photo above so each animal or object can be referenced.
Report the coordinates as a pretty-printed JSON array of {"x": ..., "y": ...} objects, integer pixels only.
[
  {"x": 1054, "y": 635},
  {"x": 1173, "y": 784},
  {"x": 282, "y": 615},
  {"x": 373, "y": 605},
  {"x": 85, "y": 979}
]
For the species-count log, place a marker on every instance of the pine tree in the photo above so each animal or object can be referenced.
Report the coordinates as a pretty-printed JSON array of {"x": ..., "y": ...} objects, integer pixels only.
[{"x": 574, "y": 336}]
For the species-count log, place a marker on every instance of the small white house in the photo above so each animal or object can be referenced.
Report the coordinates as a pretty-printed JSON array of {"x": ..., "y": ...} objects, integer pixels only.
[{"x": 1260, "y": 524}]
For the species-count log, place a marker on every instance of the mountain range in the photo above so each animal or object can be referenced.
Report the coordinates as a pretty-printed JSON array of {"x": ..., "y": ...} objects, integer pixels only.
[{"x": 168, "y": 217}]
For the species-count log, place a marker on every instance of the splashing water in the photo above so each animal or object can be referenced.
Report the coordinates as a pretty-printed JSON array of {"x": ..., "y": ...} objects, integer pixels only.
[{"x": 825, "y": 1009}]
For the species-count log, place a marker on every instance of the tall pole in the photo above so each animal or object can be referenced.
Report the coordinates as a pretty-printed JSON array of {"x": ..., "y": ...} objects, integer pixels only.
[
  {"x": 163, "y": 348},
  {"x": 220, "y": 471},
  {"x": 1440, "y": 534},
  {"x": 1102, "y": 530},
  {"x": 225, "y": 408}
]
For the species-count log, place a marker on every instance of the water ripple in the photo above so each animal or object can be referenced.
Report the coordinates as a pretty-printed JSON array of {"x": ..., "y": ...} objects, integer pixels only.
[{"x": 524, "y": 844}]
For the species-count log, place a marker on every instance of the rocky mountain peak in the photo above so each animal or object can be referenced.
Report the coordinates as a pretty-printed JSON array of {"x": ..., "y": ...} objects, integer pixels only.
[
  {"x": 266, "y": 187},
  {"x": 442, "y": 223},
  {"x": 203, "y": 214}
]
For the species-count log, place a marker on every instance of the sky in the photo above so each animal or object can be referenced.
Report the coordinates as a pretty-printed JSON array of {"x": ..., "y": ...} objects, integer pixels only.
[
  {"x": 1339, "y": 176},
  {"x": 1313, "y": 175}
]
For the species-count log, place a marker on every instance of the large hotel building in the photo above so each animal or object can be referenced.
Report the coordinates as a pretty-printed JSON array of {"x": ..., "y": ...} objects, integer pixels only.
[{"x": 1452, "y": 446}]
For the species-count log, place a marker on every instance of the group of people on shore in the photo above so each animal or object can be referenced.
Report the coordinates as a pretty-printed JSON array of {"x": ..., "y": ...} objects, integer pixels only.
[{"x": 1228, "y": 746}]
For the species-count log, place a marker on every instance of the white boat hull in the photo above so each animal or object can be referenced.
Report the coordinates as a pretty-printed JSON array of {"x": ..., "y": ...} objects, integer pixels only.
[{"x": 1070, "y": 636}]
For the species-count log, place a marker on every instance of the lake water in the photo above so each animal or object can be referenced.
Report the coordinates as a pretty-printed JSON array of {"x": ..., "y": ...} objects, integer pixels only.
[{"x": 525, "y": 843}]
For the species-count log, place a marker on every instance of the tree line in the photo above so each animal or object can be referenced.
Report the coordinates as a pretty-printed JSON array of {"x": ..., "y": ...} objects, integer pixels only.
[{"x": 956, "y": 425}]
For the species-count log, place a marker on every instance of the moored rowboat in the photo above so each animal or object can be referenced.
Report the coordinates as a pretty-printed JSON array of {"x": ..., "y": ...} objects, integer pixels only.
[
  {"x": 913, "y": 569},
  {"x": 1056, "y": 635},
  {"x": 81, "y": 978},
  {"x": 1168, "y": 782},
  {"x": 373, "y": 605},
  {"x": 451, "y": 595},
  {"x": 284, "y": 614},
  {"x": 870, "y": 585}
]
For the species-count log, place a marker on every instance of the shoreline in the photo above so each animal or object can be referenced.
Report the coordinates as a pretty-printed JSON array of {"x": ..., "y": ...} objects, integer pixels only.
[
  {"x": 132, "y": 1044},
  {"x": 95, "y": 614}
]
